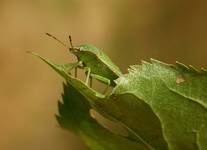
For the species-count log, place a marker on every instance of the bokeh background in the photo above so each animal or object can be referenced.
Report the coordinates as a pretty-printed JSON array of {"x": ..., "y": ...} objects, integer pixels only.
[{"x": 128, "y": 31}]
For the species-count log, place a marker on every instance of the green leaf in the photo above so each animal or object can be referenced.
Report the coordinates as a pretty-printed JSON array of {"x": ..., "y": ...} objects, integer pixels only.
[
  {"x": 74, "y": 115},
  {"x": 100, "y": 103},
  {"x": 69, "y": 66},
  {"x": 161, "y": 106},
  {"x": 137, "y": 118},
  {"x": 177, "y": 95},
  {"x": 62, "y": 70}
]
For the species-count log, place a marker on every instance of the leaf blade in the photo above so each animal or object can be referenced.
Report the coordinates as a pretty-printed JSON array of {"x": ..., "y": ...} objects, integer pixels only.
[
  {"x": 74, "y": 115},
  {"x": 179, "y": 106}
]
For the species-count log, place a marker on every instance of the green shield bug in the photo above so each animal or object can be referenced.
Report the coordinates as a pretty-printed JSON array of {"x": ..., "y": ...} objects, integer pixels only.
[{"x": 94, "y": 61}]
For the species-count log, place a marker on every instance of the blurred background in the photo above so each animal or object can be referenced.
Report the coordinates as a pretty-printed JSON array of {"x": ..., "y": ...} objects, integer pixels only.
[{"x": 128, "y": 31}]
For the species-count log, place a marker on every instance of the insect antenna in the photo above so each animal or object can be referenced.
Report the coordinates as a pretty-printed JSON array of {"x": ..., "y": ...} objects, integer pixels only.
[
  {"x": 70, "y": 39},
  {"x": 59, "y": 41}
]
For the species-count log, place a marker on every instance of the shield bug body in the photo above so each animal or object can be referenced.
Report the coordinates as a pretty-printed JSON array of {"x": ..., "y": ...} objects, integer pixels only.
[{"x": 95, "y": 62}]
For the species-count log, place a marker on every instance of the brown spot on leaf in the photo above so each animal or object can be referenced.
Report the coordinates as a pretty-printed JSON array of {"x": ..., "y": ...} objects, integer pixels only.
[{"x": 180, "y": 79}]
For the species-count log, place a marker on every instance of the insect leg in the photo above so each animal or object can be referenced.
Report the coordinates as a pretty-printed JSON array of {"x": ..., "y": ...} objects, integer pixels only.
[
  {"x": 107, "y": 87},
  {"x": 88, "y": 70},
  {"x": 103, "y": 80},
  {"x": 80, "y": 65},
  {"x": 69, "y": 66},
  {"x": 91, "y": 82},
  {"x": 76, "y": 72}
]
